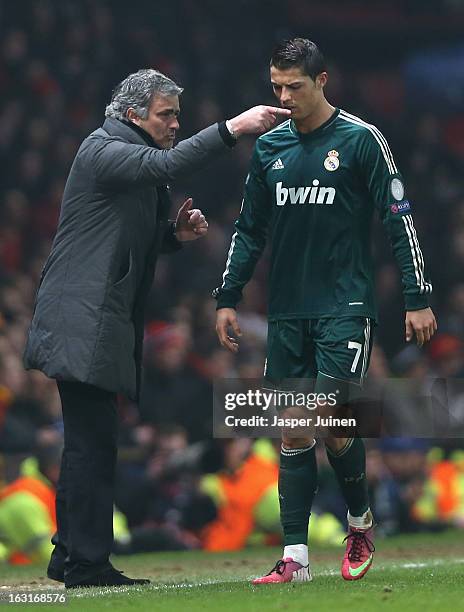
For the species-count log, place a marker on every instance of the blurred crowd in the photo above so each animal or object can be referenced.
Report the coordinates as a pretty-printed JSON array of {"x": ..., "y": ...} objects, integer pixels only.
[{"x": 58, "y": 64}]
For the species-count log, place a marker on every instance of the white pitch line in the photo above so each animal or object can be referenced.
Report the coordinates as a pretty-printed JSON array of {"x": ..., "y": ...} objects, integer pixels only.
[
  {"x": 191, "y": 585},
  {"x": 333, "y": 572}
]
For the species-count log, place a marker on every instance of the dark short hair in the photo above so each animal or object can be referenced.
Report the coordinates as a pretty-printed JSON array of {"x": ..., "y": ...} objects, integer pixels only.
[{"x": 301, "y": 53}]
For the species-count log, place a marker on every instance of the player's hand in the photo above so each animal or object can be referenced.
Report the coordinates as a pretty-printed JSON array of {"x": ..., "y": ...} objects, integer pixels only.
[
  {"x": 422, "y": 323},
  {"x": 226, "y": 318},
  {"x": 258, "y": 119},
  {"x": 190, "y": 223}
]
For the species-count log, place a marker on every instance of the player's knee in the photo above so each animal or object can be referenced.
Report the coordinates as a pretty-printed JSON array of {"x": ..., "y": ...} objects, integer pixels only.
[
  {"x": 335, "y": 444},
  {"x": 296, "y": 435},
  {"x": 291, "y": 443}
]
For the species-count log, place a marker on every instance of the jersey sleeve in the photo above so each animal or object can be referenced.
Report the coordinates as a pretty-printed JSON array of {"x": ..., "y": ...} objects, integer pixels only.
[
  {"x": 386, "y": 188},
  {"x": 249, "y": 238}
]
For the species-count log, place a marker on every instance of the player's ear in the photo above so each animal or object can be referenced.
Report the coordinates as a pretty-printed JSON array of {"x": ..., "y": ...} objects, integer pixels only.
[{"x": 321, "y": 80}]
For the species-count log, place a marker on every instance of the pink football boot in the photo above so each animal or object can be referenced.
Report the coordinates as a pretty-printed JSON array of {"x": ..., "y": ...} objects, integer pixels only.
[
  {"x": 286, "y": 570},
  {"x": 359, "y": 552}
]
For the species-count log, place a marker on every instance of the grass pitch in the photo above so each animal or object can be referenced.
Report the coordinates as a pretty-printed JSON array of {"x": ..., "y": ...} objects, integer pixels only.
[{"x": 420, "y": 572}]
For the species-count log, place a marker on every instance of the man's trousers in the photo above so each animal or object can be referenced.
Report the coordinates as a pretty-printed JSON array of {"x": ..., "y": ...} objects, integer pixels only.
[{"x": 85, "y": 491}]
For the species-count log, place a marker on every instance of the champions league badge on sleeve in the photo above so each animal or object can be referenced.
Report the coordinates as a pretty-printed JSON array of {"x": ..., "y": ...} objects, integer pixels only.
[
  {"x": 331, "y": 162},
  {"x": 397, "y": 189},
  {"x": 401, "y": 208}
]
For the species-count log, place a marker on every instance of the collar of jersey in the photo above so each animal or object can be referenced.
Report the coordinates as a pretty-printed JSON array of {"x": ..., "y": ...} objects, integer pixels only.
[{"x": 318, "y": 130}]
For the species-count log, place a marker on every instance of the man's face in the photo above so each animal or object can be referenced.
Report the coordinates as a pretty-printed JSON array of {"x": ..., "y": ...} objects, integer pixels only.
[
  {"x": 162, "y": 121},
  {"x": 297, "y": 91}
]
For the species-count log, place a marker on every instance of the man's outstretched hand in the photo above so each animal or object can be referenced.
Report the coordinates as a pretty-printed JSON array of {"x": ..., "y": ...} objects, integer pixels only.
[
  {"x": 258, "y": 119},
  {"x": 422, "y": 323},
  {"x": 225, "y": 318},
  {"x": 190, "y": 223}
]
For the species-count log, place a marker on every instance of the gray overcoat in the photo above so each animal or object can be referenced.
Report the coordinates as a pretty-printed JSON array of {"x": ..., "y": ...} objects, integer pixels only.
[{"x": 88, "y": 318}]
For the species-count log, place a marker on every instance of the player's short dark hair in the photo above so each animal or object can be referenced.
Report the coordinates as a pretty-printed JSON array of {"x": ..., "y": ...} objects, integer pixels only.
[{"x": 301, "y": 53}]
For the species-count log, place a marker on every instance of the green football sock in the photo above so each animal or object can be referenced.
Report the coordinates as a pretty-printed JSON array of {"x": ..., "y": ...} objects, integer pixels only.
[
  {"x": 297, "y": 486},
  {"x": 350, "y": 468}
]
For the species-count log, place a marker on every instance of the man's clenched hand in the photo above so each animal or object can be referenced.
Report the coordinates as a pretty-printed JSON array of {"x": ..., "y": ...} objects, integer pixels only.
[
  {"x": 225, "y": 318},
  {"x": 190, "y": 223},
  {"x": 422, "y": 323}
]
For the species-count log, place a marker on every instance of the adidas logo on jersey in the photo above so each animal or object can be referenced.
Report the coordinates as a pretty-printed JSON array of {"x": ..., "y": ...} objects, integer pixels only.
[
  {"x": 305, "y": 195},
  {"x": 278, "y": 165}
]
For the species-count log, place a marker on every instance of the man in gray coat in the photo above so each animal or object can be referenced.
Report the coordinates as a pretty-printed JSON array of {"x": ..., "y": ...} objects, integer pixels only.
[{"x": 87, "y": 327}]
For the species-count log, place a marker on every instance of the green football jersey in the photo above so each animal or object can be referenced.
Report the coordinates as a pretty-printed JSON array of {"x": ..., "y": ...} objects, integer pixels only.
[{"x": 313, "y": 195}]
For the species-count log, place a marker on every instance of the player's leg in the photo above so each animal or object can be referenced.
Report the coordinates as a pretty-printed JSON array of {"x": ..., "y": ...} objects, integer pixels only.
[
  {"x": 343, "y": 352},
  {"x": 287, "y": 358},
  {"x": 349, "y": 464}
]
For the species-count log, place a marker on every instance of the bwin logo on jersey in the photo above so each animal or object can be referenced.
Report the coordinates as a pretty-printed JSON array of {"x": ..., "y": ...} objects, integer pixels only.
[{"x": 305, "y": 195}]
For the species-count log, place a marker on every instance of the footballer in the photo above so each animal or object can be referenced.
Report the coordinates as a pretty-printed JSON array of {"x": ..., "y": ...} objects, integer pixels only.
[{"x": 313, "y": 186}]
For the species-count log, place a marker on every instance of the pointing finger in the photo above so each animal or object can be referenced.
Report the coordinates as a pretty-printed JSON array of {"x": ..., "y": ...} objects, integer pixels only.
[{"x": 279, "y": 111}]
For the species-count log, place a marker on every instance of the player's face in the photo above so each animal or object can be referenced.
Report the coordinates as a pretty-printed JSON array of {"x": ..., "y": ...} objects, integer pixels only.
[
  {"x": 162, "y": 121},
  {"x": 296, "y": 91}
]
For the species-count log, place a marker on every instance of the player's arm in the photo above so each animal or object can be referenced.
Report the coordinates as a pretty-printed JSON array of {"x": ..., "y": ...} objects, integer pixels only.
[
  {"x": 247, "y": 245},
  {"x": 386, "y": 187}
]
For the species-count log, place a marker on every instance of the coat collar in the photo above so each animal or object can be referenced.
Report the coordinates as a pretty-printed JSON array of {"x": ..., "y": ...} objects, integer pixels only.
[{"x": 128, "y": 131}]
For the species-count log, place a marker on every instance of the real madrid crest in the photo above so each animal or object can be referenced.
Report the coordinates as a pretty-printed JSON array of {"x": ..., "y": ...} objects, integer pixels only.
[{"x": 331, "y": 162}]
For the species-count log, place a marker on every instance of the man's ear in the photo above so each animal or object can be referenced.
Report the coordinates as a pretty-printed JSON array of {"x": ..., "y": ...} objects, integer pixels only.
[
  {"x": 132, "y": 116},
  {"x": 321, "y": 80}
]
